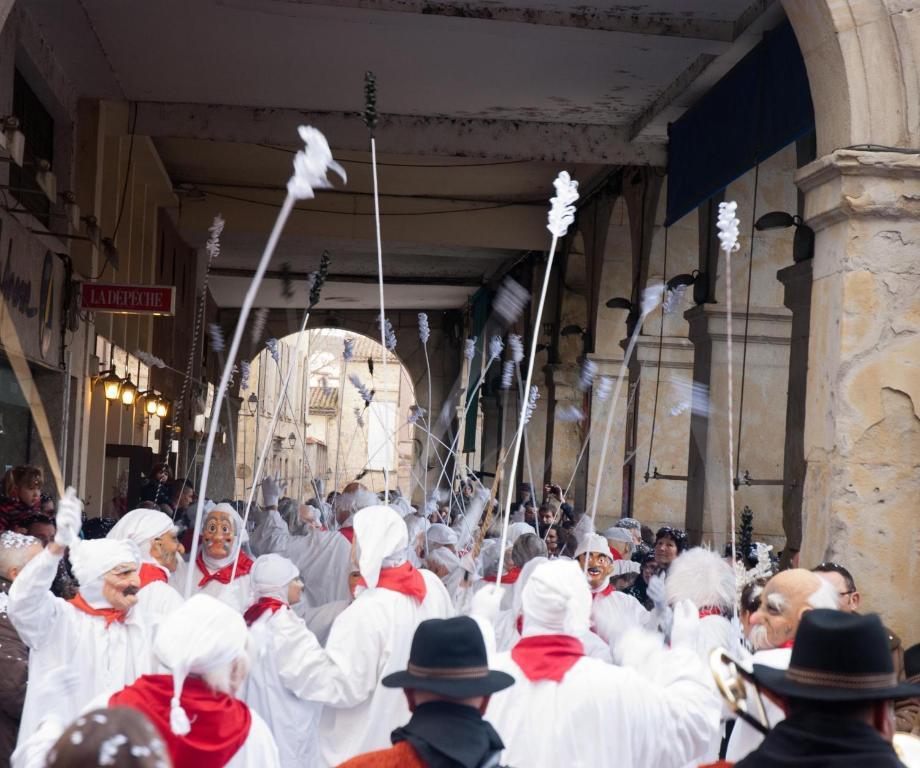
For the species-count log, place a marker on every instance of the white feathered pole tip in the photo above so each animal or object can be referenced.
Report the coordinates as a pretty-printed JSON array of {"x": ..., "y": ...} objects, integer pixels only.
[
  {"x": 348, "y": 351},
  {"x": 728, "y": 227},
  {"x": 311, "y": 164},
  {"x": 562, "y": 208},
  {"x": 469, "y": 348},
  {"x": 424, "y": 332},
  {"x": 507, "y": 374},
  {"x": 496, "y": 347}
]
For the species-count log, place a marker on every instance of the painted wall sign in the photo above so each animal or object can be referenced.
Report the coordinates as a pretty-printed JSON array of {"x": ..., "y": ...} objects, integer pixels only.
[{"x": 128, "y": 299}]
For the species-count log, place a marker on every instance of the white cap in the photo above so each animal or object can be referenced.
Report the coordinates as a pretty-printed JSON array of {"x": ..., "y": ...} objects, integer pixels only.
[
  {"x": 142, "y": 526},
  {"x": 92, "y": 559},
  {"x": 442, "y": 535},
  {"x": 270, "y": 576},
  {"x": 518, "y": 529},
  {"x": 556, "y": 600},
  {"x": 593, "y": 543},
  {"x": 381, "y": 534},
  {"x": 619, "y": 534},
  {"x": 201, "y": 635}
]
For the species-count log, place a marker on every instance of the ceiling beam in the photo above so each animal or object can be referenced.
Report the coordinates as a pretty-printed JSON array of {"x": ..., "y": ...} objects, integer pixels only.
[
  {"x": 580, "y": 16},
  {"x": 402, "y": 134},
  {"x": 274, "y": 274}
]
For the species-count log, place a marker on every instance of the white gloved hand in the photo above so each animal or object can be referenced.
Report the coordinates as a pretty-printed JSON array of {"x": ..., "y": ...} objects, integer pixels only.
[
  {"x": 68, "y": 519},
  {"x": 271, "y": 492},
  {"x": 487, "y": 602},
  {"x": 685, "y": 628}
]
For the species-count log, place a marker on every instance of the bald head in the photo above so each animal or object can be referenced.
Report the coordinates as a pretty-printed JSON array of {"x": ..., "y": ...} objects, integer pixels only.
[
  {"x": 16, "y": 551},
  {"x": 785, "y": 599}
]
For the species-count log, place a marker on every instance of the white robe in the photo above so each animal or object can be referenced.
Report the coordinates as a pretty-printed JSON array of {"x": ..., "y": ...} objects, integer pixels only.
[
  {"x": 323, "y": 557},
  {"x": 159, "y": 598},
  {"x": 745, "y": 738},
  {"x": 603, "y": 715},
  {"x": 612, "y": 615},
  {"x": 370, "y": 639},
  {"x": 237, "y": 594},
  {"x": 293, "y": 720},
  {"x": 74, "y": 657}
]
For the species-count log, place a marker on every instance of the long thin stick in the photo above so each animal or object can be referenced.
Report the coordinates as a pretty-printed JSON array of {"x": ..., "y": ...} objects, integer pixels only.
[
  {"x": 731, "y": 404},
  {"x": 248, "y": 301},
  {"x": 383, "y": 340},
  {"x": 428, "y": 435}
]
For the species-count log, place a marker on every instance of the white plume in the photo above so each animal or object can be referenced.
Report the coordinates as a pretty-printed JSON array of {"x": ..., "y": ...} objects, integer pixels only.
[
  {"x": 389, "y": 335},
  {"x": 469, "y": 348},
  {"x": 272, "y": 346},
  {"x": 562, "y": 208},
  {"x": 212, "y": 246},
  {"x": 424, "y": 332},
  {"x": 728, "y": 227},
  {"x": 311, "y": 164},
  {"x": 588, "y": 372},
  {"x": 151, "y": 360},
  {"x": 416, "y": 412},
  {"x": 569, "y": 413},
  {"x": 704, "y": 578},
  {"x": 244, "y": 375},
  {"x": 532, "y": 403},
  {"x": 359, "y": 417},
  {"x": 495, "y": 347},
  {"x": 365, "y": 393},
  {"x": 217, "y": 337},
  {"x": 507, "y": 374},
  {"x": 516, "y": 347},
  {"x": 651, "y": 298},
  {"x": 510, "y": 300},
  {"x": 259, "y": 319},
  {"x": 604, "y": 388},
  {"x": 348, "y": 351}
]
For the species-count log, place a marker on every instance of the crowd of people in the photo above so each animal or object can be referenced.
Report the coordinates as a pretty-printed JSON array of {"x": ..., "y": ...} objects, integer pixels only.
[{"x": 360, "y": 630}]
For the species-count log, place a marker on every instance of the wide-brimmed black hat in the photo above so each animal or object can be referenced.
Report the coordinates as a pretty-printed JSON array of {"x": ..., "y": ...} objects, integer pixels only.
[
  {"x": 448, "y": 657},
  {"x": 837, "y": 656}
]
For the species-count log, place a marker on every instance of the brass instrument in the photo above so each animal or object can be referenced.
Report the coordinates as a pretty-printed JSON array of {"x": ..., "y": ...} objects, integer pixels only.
[{"x": 733, "y": 678}]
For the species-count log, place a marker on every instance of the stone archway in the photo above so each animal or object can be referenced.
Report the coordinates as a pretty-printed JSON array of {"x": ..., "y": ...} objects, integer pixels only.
[{"x": 862, "y": 428}]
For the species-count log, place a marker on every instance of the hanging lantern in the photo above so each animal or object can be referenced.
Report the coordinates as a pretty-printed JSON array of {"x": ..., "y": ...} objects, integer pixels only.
[
  {"x": 111, "y": 385},
  {"x": 128, "y": 391},
  {"x": 162, "y": 407}
]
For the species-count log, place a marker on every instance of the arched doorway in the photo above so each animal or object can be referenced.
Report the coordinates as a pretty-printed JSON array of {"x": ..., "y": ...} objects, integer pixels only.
[{"x": 326, "y": 434}]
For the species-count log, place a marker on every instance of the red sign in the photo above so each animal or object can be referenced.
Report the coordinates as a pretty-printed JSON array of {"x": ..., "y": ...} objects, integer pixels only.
[{"x": 129, "y": 299}]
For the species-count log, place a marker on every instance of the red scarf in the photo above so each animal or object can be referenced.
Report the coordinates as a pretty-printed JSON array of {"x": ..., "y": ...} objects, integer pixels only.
[
  {"x": 223, "y": 575},
  {"x": 710, "y": 610},
  {"x": 547, "y": 657},
  {"x": 604, "y": 592},
  {"x": 403, "y": 579},
  {"x": 220, "y": 723},
  {"x": 260, "y": 606},
  {"x": 109, "y": 614},
  {"x": 787, "y": 644},
  {"x": 348, "y": 532},
  {"x": 150, "y": 573},
  {"x": 507, "y": 578}
]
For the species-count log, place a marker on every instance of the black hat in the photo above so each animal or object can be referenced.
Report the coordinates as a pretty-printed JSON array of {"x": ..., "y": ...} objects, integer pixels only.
[
  {"x": 837, "y": 656},
  {"x": 448, "y": 657}
]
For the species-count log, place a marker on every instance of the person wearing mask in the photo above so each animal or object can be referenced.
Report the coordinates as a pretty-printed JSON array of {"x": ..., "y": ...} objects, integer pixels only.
[
  {"x": 16, "y": 550},
  {"x": 222, "y": 538},
  {"x": 447, "y": 686}
]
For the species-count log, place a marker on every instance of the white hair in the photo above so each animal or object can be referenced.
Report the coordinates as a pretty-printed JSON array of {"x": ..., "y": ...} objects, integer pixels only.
[
  {"x": 16, "y": 549},
  {"x": 825, "y": 596},
  {"x": 704, "y": 578},
  {"x": 228, "y": 678}
]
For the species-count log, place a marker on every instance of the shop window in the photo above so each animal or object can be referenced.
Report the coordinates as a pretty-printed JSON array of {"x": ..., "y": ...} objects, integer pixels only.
[{"x": 38, "y": 126}]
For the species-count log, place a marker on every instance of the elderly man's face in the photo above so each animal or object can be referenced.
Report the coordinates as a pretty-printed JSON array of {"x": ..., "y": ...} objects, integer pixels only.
[
  {"x": 166, "y": 549},
  {"x": 599, "y": 568},
  {"x": 308, "y": 518},
  {"x": 783, "y": 602},
  {"x": 294, "y": 592},
  {"x": 622, "y": 548},
  {"x": 218, "y": 535},
  {"x": 121, "y": 585}
]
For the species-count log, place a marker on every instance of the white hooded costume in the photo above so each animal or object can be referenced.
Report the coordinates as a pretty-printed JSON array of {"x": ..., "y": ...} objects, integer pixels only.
[
  {"x": 323, "y": 557},
  {"x": 293, "y": 720},
  {"x": 76, "y": 655},
  {"x": 612, "y": 613},
  {"x": 600, "y": 714},
  {"x": 211, "y": 576},
  {"x": 369, "y": 639},
  {"x": 142, "y": 526}
]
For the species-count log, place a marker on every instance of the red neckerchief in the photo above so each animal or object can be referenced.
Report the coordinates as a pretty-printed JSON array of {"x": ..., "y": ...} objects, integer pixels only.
[
  {"x": 223, "y": 575},
  {"x": 710, "y": 610},
  {"x": 403, "y": 579},
  {"x": 348, "y": 532},
  {"x": 615, "y": 555},
  {"x": 547, "y": 657},
  {"x": 507, "y": 578},
  {"x": 260, "y": 606},
  {"x": 787, "y": 644},
  {"x": 220, "y": 723},
  {"x": 109, "y": 614},
  {"x": 604, "y": 592},
  {"x": 150, "y": 573}
]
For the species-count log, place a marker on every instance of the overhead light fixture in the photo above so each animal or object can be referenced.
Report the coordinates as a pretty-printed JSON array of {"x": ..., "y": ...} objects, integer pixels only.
[
  {"x": 12, "y": 140},
  {"x": 252, "y": 403},
  {"x": 150, "y": 402},
  {"x": 292, "y": 439},
  {"x": 111, "y": 385},
  {"x": 46, "y": 180},
  {"x": 803, "y": 242},
  {"x": 128, "y": 391},
  {"x": 162, "y": 407}
]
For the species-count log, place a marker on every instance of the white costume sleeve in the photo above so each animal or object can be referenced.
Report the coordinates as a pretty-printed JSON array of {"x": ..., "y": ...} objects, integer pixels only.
[
  {"x": 33, "y": 609},
  {"x": 344, "y": 674}
]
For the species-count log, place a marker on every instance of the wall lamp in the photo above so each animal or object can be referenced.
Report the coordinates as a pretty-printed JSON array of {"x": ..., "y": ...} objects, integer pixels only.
[
  {"x": 150, "y": 402},
  {"x": 162, "y": 407},
  {"x": 252, "y": 403},
  {"x": 803, "y": 243},
  {"x": 12, "y": 140},
  {"x": 111, "y": 384},
  {"x": 292, "y": 439},
  {"x": 128, "y": 392}
]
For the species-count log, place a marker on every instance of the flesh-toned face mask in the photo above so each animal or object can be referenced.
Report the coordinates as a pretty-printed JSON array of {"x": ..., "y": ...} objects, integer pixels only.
[
  {"x": 218, "y": 535},
  {"x": 599, "y": 568},
  {"x": 121, "y": 585}
]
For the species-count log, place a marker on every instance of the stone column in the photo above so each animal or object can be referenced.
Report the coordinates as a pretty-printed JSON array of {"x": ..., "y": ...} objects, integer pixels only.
[
  {"x": 862, "y": 427},
  {"x": 762, "y": 431},
  {"x": 797, "y": 297}
]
